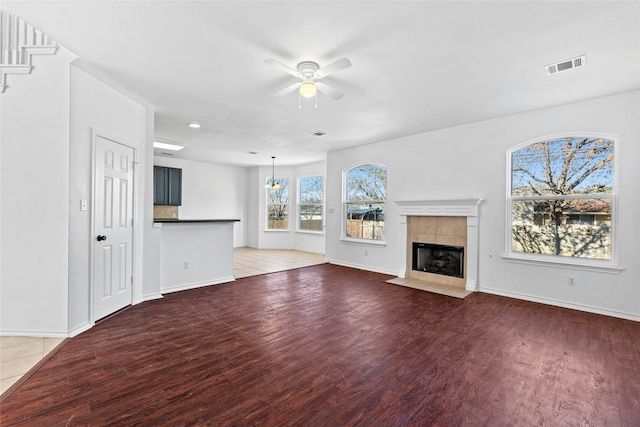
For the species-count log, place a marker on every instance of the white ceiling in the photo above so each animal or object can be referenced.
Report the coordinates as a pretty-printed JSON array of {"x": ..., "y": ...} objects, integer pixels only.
[{"x": 417, "y": 65}]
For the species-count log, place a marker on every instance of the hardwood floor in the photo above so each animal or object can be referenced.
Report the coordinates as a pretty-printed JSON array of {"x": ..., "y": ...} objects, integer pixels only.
[{"x": 329, "y": 345}]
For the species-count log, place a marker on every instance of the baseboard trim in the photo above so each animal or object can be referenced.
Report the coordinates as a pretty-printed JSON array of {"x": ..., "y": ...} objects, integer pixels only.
[
  {"x": 195, "y": 285},
  {"x": 364, "y": 267},
  {"x": 559, "y": 303},
  {"x": 33, "y": 334},
  {"x": 149, "y": 297},
  {"x": 77, "y": 331}
]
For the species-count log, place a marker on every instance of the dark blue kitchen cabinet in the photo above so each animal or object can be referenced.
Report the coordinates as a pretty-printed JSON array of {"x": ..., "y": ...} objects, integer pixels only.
[{"x": 167, "y": 186}]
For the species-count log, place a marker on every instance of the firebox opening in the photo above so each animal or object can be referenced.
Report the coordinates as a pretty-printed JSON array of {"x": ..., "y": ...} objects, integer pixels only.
[{"x": 438, "y": 259}]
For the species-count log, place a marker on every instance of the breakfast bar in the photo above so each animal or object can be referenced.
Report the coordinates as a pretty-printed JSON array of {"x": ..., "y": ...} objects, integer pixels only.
[{"x": 195, "y": 252}]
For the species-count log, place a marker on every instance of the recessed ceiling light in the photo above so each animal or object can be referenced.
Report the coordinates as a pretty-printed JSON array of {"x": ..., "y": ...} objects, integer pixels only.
[
  {"x": 166, "y": 146},
  {"x": 194, "y": 125}
]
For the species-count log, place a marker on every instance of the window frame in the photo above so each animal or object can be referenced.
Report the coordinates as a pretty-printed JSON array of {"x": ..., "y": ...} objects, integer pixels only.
[
  {"x": 588, "y": 264},
  {"x": 299, "y": 203},
  {"x": 267, "y": 204},
  {"x": 343, "y": 236}
]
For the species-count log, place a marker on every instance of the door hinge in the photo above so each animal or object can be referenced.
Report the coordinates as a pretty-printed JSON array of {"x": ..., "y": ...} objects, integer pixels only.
[{"x": 132, "y": 280}]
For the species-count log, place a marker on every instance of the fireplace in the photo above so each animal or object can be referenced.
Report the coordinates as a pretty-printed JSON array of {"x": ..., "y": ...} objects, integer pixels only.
[
  {"x": 452, "y": 223},
  {"x": 438, "y": 259}
]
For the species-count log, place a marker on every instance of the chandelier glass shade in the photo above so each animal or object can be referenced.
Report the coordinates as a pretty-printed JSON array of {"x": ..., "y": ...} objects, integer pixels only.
[{"x": 308, "y": 90}]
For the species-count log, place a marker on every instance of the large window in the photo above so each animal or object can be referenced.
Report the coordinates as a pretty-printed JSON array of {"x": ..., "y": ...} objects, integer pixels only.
[
  {"x": 310, "y": 204},
  {"x": 562, "y": 198},
  {"x": 278, "y": 204},
  {"x": 365, "y": 195}
]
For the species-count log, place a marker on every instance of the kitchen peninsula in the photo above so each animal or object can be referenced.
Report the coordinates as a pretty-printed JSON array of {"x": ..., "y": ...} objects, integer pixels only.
[{"x": 195, "y": 252}]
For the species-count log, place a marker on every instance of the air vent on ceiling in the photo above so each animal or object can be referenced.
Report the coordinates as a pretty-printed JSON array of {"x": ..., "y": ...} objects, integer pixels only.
[
  {"x": 569, "y": 64},
  {"x": 164, "y": 153}
]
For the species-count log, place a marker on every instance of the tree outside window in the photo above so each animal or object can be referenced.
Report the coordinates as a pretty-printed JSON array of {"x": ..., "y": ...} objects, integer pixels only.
[
  {"x": 310, "y": 204},
  {"x": 366, "y": 193},
  {"x": 278, "y": 205},
  {"x": 562, "y": 198}
]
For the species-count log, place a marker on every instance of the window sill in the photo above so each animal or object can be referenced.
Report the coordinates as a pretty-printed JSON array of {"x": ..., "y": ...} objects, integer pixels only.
[
  {"x": 267, "y": 230},
  {"x": 364, "y": 241},
  {"x": 604, "y": 267},
  {"x": 317, "y": 233}
]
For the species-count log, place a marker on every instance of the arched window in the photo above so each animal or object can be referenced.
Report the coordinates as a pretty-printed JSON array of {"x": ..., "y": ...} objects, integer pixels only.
[
  {"x": 365, "y": 195},
  {"x": 561, "y": 198}
]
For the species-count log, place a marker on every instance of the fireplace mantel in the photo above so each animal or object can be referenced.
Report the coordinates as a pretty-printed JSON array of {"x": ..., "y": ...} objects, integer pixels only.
[
  {"x": 468, "y": 208},
  {"x": 443, "y": 207}
]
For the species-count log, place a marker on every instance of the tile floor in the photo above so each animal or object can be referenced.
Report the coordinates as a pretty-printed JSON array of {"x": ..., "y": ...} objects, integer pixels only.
[
  {"x": 452, "y": 291},
  {"x": 251, "y": 262},
  {"x": 19, "y": 354}
]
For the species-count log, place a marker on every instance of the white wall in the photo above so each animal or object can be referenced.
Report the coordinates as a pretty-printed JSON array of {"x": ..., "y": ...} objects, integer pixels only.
[
  {"x": 253, "y": 205},
  {"x": 35, "y": 194},
  {"x": 213, "y": 191},
  {"x": 47, "y": 121},
  {"x": 470, "y": 161},
  {"x": 96, "y": 107}
]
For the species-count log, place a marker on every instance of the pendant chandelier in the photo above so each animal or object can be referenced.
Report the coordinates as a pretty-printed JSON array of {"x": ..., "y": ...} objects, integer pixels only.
[{"x": 275, "y": 185}]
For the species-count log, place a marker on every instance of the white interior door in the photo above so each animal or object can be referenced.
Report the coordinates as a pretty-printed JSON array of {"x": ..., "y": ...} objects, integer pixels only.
[{"x": 113, "y": 227}]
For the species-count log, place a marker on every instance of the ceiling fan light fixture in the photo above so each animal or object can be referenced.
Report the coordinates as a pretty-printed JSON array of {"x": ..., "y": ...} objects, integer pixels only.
[{"x": 308, "y": 90}]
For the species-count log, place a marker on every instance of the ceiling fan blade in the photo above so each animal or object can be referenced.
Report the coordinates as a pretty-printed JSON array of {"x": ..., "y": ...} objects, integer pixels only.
[
  {"x": 328, "y": 90},
  {"x": 335, "y": 66},
  {"x": 288, "y": 89},
  {"x": 282, "y": 67}
]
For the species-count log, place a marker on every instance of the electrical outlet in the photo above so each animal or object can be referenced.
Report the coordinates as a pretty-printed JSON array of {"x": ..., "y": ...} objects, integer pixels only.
[
  {"x": 571, "y": 281},
  {"x": 186, "y": 265}
]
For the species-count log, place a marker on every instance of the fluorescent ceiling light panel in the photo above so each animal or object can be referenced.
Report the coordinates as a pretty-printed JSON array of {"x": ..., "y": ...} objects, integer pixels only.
[{"x": 166, "y": 146}]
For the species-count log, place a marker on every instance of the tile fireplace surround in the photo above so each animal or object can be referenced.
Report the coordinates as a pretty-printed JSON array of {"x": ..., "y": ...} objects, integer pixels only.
[{"x": 443, "y": 221}]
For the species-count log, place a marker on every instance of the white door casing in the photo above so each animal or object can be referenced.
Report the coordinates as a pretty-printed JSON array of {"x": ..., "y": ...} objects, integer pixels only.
[{"x": 113, "y": 227}]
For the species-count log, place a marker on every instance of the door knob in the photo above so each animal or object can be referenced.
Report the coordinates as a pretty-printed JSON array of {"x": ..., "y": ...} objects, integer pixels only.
[{"x": 101, "y": 238}]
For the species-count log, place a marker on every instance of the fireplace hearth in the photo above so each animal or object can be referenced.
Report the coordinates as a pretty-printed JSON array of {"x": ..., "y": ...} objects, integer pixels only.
[{"x": 438, "y": 259}]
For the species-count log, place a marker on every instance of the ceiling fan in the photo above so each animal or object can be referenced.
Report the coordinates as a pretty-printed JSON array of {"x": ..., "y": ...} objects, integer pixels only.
[{"x": 309, "y": 74}]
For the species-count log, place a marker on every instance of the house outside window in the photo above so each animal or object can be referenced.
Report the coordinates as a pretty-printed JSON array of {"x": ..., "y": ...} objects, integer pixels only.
[
  {"x": 365, "y": 196},
  {"x": 311, "y": 204},
  {"x": 561, "y": 198},
  {"x": 277, "y": 204}
]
